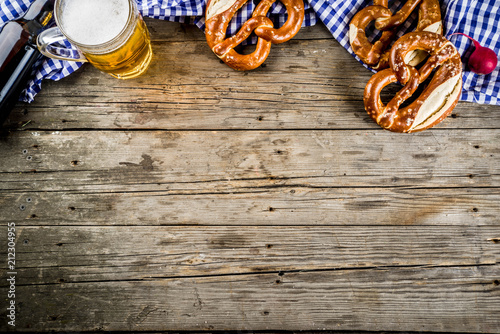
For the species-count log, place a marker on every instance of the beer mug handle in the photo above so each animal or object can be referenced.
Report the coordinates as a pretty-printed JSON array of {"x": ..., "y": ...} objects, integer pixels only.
[{"x": 53, "y": 35}]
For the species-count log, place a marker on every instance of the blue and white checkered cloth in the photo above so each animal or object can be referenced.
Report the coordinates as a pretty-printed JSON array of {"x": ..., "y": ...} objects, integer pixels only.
[{"x": 477, "y": 18}]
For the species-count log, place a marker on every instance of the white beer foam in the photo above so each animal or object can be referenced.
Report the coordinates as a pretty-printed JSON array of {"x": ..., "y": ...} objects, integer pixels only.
[{"x": 93, "y": 22}]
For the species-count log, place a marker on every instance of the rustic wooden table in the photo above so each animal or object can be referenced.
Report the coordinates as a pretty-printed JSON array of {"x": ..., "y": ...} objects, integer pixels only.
[{"x": 200, "y": 198}]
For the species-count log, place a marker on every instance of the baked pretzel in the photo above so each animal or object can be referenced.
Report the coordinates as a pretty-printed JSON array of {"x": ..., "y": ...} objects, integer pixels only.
[
  {"x": 376, "y": 55},
  {"x": 220, "y": 12},
  {"x": 435, "y": 102}
]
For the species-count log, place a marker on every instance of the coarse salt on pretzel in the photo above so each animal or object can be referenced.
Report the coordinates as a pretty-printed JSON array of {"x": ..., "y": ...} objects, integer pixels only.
[
  {"x": 218, "y": 15},
  {"x": 435, "y": 102},
  {"x": 376, "y": 54}
]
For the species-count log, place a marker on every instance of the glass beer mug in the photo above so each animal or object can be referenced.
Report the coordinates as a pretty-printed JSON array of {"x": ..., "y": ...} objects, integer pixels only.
[{"x": 109, "y": 34}]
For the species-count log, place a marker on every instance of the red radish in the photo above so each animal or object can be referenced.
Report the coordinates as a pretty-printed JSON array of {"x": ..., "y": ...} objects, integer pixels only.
[{"x": 483, "y": 60}]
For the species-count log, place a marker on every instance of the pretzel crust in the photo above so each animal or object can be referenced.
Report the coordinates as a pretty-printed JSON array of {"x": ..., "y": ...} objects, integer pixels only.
[
  {"x": 218, "y": 16},
  {"x": 376, "y": 55},
  {"x": 436, "y": 101}
]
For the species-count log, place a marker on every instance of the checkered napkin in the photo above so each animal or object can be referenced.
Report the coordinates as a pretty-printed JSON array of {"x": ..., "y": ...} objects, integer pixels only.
[{"x": 478, "y": 19}]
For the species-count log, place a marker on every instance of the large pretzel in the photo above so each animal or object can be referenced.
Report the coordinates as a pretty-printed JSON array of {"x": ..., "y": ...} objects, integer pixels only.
[
  {"x": 376, "y": 54},
  {"x": 220, "y": 12},
  {"x": 435, "y": 102}
]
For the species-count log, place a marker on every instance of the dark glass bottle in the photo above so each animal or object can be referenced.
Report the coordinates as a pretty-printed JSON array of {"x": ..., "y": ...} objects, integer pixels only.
[{"x": 18, "y": 52}]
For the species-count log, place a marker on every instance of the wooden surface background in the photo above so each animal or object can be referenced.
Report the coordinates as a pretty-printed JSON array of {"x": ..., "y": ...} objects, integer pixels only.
[{"x": 200, "y": 198}]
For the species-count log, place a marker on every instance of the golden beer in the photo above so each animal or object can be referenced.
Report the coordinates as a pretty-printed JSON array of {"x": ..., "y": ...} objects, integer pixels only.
[
  {"x": 129, "y": 60},
  {"x": 110, "y": 34}
]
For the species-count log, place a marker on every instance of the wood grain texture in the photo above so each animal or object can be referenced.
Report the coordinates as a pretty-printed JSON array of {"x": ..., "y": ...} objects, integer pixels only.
[
  {"x": 256, "y": 204},
  {"x": 252, "y": 178},
  {"x": 200, "y": 198},
  {"x": 455, "y": 299},
  {"x": 350, "y": 158},
  {"x": 119, "y": 253},
  {"x": 310, "y": 82}
]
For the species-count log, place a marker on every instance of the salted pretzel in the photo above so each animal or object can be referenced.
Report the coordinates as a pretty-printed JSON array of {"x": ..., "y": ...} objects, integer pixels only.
[
  {"x": 376, "y": 54},
  {"x": 435, "y": 102},
  {"x": 218, "y": 16}
]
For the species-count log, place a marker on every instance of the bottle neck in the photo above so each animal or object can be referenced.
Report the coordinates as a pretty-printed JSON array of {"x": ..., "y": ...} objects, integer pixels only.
[{"x": 38, "y": 16}]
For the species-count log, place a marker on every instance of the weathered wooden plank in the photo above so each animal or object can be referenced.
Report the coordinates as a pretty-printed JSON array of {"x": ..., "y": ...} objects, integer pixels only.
[
  {"x": 280, "y": 178},
  {"x": 305, "y": 84},
  {"x": 119, "y": 253},
  {"x": 165, "y": 31},
  {"x": 255, "y": 204},
  {"x": 151, "y": 160},
  {"x": 454, "y": 299},
  {"x": 204, "y": 93}
]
